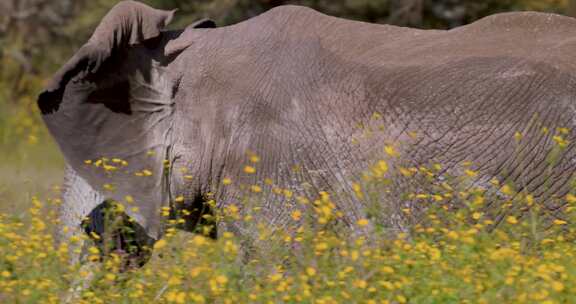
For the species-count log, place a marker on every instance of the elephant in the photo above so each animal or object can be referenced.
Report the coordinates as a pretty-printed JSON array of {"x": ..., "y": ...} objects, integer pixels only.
[{"x": 155, "y": 118}]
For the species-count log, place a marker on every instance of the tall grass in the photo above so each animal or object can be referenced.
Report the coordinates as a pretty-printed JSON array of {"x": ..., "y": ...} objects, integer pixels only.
[{"x": 453, "y": 251}]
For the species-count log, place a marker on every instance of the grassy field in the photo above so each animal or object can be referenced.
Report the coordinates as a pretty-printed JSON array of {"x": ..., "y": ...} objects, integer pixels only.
[
  {"x": 26, "y": 171},
  {"x": 454, "y": 255}
]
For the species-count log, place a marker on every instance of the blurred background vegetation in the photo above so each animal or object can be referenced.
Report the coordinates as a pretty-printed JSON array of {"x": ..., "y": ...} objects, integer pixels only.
[{"x": 37, "y": 36}]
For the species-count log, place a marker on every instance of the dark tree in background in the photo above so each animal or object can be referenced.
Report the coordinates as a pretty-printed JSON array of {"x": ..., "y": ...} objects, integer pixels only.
[{"x": 415, "y": 13}]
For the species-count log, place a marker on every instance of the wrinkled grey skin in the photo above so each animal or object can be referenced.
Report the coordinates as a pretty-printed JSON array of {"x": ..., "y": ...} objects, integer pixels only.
[{"x": 292, "y": 85}]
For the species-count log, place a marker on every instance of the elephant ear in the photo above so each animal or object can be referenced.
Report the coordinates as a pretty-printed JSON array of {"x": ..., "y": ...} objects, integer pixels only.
[
  {"x": 127, "y": 24},
  {"x": 110, "y": 109}
]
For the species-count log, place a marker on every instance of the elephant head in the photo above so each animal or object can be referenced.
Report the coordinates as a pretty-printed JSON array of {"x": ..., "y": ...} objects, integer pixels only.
[{"x": 110, "y": 110}]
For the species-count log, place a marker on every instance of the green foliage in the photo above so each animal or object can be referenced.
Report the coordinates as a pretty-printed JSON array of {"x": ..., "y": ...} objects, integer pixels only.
[{"x": 460, "y": 251}]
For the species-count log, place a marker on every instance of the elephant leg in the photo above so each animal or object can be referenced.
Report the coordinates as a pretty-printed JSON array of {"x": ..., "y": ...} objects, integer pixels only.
[
  {"x": 78, "y": 200},
  {"x": 85, "y": 211},
  {"x": 114, "y": 232}
]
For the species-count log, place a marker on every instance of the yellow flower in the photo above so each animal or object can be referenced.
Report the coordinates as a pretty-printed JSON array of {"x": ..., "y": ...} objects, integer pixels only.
[
  {"x": 380, "y": 168},
  {"x": 310, "y": 271},
  {"x": 275, "y": 277},
  {"x": 401, "y": 299},
  {"x": 93, "y": 250},
  {"x": 363, "y": 222},
  {"x": 249, "y": 169},
  {"x": 256, "y": 188},
  {"x": 357, "y": 190},
  {"x": 560, "y": 222},
  {"x": 110, "y": 276},
  {"x": 226, "y": 181},
  {"x": 129, "y": 199},
  {"x": 471, "y": 173},
  {"x": 160, "y": 244},
  {"x": 390, "y": 151},
  {"x": 560, "y": 141},
  {"x": 507, "y": 190},
  {"x": 405, "y": 172},
  {"x": 221, "y": 279},
  {"x": 109, "y": 167},
  {"x": 530, "y": 200},
  {"x": 557, "y": 286},
  {"x": 452, "y": 234},
  {"x": 254, "y": 158},
  {"x": 476, "y": 215},
  {"x": 360, "y": 284},
  {"x": 571, "y": 198},
  {"x": 179, "y": 199},
  {"x": 176, "y": 297},
  {"x": 146, "y": 172},
  {"x": 383, "y": 166},
  {"x": 511, "y": 220},
  {"x": 296, "y": 215}
]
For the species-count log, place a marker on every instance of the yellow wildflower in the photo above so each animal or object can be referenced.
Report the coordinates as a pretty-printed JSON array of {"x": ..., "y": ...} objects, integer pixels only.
[
  {"x": 311, "y": 271},
  {"x": 160, "y": 244},
  {"x": 363, "y": 222},
  {"x": 506, "y": 189},
  {"x": 512, "y": 220},
  {"x": 470, "y": 173},
  {"x": 390, "y": 151},
  {"x": 296, "y": 215},
  {"x": 560, "y": 222}
]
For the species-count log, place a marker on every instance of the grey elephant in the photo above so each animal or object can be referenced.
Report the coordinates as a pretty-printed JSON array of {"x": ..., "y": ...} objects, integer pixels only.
[{"x": 155, "y": 118}]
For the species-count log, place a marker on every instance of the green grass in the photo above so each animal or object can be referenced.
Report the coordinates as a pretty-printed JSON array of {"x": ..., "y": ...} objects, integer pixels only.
[
  {"x": 454, "y": 254},
  {"x": 27, "y": 170}
]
